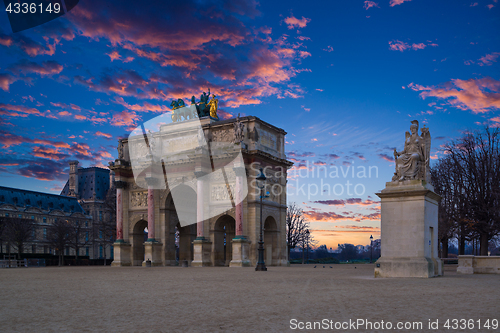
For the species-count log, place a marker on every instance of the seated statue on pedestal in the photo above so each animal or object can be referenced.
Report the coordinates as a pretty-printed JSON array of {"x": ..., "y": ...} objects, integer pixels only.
[{"x": 413, "y": 161}]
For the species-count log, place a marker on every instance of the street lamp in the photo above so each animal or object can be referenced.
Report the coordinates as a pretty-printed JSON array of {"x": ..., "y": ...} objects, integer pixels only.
[
  {"x": 371, "y": 249},
  {"x": 307, "y": 245},
  {"x": 261, "y": 184}
]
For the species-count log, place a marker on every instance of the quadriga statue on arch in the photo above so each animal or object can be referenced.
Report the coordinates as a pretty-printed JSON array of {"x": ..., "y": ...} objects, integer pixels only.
[{"x": 413, "y": 161}]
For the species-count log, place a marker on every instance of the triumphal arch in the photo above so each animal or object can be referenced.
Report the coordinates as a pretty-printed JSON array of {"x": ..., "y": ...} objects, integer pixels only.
[{"x": 186, "y": 191}]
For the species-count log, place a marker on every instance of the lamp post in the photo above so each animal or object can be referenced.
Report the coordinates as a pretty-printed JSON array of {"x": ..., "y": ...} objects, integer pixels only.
[
  {"x": 261, "y": 184},
  {"x": 307, "y": 245},
  {"x": 371, "y": 249}
]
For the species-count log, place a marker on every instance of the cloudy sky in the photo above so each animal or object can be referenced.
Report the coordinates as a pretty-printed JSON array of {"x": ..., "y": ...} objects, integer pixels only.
[{"x": 343, "y": 78}]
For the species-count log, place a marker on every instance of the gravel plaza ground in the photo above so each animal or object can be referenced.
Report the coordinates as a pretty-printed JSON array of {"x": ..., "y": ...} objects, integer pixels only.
[{"x": 220, "y": 299}]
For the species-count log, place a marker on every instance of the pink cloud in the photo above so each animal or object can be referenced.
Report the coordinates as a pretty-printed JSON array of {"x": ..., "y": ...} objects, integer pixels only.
[
  {"x": 397, "y": 45},
  {"x": 114, "y": 55},
  {"x": 147, "y": 107},
  {"x": 369, "y": 4},
  {"x": 386, "y": 157},
  {"x": 106, "y": 135},
  {"x": 6, "y": 80},
  {"x": 294, "y": 22},
  {"x": 186, "y": 51},
  {"x": 477, "y": 95},
  {"x": 49, "y": 67},
  {"x": 8, "y": 108},
  {"x": 489, "y": 59},
  {"x": 304, "y": 54},
  {"x": 125, "y": 119},
  {"x": 396, "y": 2}
]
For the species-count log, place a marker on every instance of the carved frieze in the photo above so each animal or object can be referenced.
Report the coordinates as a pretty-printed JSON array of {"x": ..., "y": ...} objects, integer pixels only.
[
  {"x": 219, "y": 192},
  {"x": 139, "y": 199},
  {"x": 223, "y": 135}
]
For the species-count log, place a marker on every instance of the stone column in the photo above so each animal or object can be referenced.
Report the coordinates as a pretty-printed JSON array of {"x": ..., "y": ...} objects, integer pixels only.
[
  {"x": 200, "y": 207},
  {"x": 152, "y": 248},
  {"x": 240, "y": 243},
  {"x": 239, "y": 171},
  {"x": 202, "y": 247},
  {"x": 120, "y": 185},
  {"x": 121, "y": 248},
  {"x": 151, "y": 209}
]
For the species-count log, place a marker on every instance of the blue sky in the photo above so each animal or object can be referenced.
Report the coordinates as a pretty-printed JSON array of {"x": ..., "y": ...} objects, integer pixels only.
[{"x": 343, "y": 78}]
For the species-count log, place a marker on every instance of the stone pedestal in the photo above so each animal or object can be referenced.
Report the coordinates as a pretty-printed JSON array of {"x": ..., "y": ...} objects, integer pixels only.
[
  {"x": 240, "y": 246},
  {"x": 409, "y": 231},
  {"x": 152, "y": 251},
  {"x": 202, "y": 250},
  {"x": 121, "y": 254},
  {"x": 465, "y": 265}
]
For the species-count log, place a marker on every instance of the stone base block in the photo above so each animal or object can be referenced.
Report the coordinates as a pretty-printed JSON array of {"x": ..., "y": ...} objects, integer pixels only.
[
  {"x": 240, "y": 252},
  {"x": 478, "y": 265},
  {"x": 419, "y": 267},
  {"x": 152, "y": 251},
  {"x": 121, "y": 254},
  {"x": 202, "y": 251}
]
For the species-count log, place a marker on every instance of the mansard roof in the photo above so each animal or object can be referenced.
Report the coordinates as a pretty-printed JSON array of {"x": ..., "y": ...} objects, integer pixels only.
[{"x": 45, "y": 201}]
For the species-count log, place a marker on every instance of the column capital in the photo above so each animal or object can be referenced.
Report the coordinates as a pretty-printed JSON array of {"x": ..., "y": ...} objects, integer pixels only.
[
  {"x": 120, "y": 184},
  {"x": 151, "y": 181},
  {"x": 199, "y": 174},
  {"x": 240, "y": 171}
]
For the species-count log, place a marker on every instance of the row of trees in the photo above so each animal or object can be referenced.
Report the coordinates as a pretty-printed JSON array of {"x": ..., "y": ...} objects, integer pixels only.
[
  {"x": 63, "y": 233},
  {"x": 297, "y": 229},
  {"x": 468, "y": 180}
]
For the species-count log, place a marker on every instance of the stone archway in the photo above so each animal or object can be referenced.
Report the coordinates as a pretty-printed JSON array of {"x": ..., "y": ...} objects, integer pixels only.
[
  {"x": 184, "y": 243},
  {"x": 138, "y": 237},
  {"x": 178, "y": 241},
  {"x": 270, "y": 241},
  {"x": 223, "y": 233}
]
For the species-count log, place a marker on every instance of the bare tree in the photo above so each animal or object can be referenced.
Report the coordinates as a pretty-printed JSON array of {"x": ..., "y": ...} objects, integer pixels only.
[
  {"x": 78, "y": 236},
  {"x": 306, "y": 242},
  {"x": 296, "y": 227},
  {"x": 348, "y": 252},
  {"x": 106, "y": 228},
  {"x": 18, "y": 231},
  {"x": 468, "y": 178},
  {"x": 58, "y": 236}
]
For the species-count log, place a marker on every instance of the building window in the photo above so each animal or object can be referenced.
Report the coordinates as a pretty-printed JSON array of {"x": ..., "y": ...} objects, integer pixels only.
[
  {"x": 20, "y": 216},
  {"x": 100, "y": 215},
  {"x": 44, "y": 220},
  {"x": 33, "y": 248},
  {"x": 33, "y": 233},
  {"x": 100, "y": 234},
  {"x": 32, "y": 217},
  {"x": 44, "y": 233},
  {"x": 87, "y": 251},
  {"x": 45, "y": 249},
  {"x": 100, "y": 252},
  {"x": 86, "y": 224},
  {"x": 6, "y": 214},
  {"x": 111, "y": 251},
  {"x": 67, "y": 250},
  {"x": 87, "y": 236}
]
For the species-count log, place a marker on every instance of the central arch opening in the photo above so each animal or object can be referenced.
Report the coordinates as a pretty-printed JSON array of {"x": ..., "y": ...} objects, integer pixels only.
[
  {"x": 139, "y": 236},
  {"x": 224, "y": 232},
  {"x": 270, "y": 241},
  {"x": 180, "y": 208}
]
